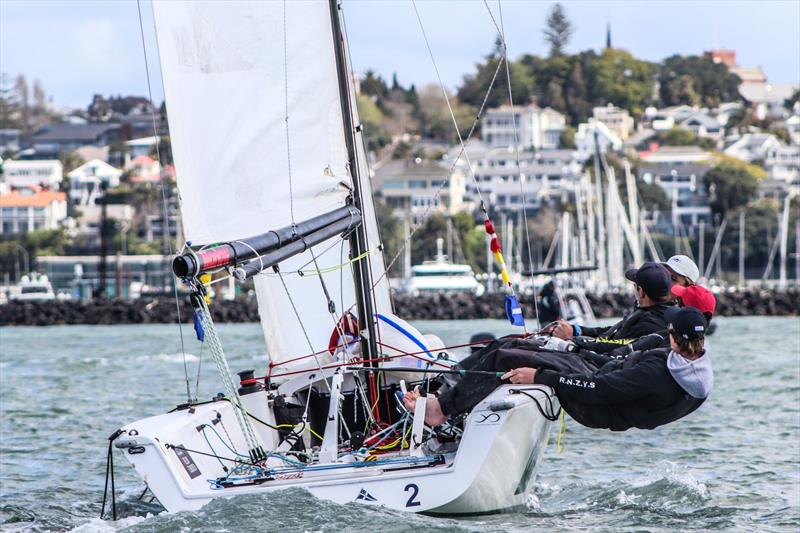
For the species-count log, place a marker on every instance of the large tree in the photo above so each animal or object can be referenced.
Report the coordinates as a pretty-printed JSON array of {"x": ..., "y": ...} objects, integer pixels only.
[
  {"x": 558, "y": 30},
  {"x": 696, "y": 80},
  {"x": 732, "y": 184}
]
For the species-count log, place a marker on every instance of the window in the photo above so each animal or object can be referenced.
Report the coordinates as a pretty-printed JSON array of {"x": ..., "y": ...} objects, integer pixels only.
[{"x": 393, "y": 185}]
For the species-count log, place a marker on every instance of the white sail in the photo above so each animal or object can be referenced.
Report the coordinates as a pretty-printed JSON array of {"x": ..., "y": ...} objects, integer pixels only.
[{"x": 227, "y": 67}]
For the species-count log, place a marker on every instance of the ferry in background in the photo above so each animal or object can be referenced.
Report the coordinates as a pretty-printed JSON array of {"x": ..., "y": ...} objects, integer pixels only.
[
  {"x": 440, "y": 275},
  {"x": 32, "y": 287}
]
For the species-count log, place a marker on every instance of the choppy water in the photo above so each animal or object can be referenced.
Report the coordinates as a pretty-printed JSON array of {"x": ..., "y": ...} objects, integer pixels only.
[{"x": 732, "y": 465}]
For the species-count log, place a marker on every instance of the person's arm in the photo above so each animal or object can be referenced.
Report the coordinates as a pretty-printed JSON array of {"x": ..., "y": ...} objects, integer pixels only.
[
  {"x": 594, "y": 332},
  {"x": 617, "y": 386},
  {"x": 648, "y": 342}
]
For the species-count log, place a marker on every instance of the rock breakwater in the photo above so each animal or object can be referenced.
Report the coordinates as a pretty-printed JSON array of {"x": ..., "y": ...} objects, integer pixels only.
[{"x": 431, "y": 307}]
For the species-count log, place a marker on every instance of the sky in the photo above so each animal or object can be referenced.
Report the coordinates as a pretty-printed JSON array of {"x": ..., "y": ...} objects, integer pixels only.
[{"x": 77, "y": 48}]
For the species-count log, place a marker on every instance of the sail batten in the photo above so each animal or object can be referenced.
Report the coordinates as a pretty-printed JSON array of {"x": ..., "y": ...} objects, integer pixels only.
[{"x": 227, "y": 68}]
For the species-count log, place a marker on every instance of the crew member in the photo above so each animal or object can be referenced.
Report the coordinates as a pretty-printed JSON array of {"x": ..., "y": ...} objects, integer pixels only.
[
  {"x": 653, "y": 299},
  {"x": 549, "y": 306},
  {"x": 646, "y": 390},
  {"x": 682, "y": 270}
]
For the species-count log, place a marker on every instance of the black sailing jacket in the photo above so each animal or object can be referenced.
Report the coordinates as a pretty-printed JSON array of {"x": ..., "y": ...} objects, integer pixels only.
[
  {"x": 642, "y": 321},
  {"x": 637, "y": 392}
]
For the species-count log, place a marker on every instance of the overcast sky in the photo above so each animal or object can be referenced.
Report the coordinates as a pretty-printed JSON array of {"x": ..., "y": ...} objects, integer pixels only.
[{"x": 81, "y": 47}]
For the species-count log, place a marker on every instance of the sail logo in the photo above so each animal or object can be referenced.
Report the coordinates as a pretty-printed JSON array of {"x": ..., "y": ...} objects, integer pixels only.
[
  {"x": 577, "y": 382},
  {"x": 366, "y": 496}
]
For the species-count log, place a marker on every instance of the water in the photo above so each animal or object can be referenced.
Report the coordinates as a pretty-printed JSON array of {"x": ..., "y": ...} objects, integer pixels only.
[{"x": 732, "y": 465}]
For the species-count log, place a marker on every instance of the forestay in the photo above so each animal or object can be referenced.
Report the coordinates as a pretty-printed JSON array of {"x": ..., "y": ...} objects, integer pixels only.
[{"x": 233, "y": 72}]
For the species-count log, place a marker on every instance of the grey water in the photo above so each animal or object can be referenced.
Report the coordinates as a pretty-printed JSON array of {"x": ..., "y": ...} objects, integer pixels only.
[{"x": 732, "y": 465}]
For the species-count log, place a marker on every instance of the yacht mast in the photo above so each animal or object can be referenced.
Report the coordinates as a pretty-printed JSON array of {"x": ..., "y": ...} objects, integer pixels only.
[{"x": 358, "y": 238}]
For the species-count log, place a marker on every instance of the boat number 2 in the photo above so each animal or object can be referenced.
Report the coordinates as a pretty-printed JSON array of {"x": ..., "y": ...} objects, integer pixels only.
[{"x": 414, "y": 489}]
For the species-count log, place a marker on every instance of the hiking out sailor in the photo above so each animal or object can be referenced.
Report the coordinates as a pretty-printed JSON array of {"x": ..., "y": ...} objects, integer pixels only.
[
  {"x": 653, "y": 298},
  {"x": 648, "y": 389},
  {"x": 682, "y": 270}
]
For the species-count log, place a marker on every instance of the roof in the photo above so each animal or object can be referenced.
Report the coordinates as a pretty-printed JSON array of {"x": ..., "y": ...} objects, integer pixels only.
[
  {"x": 142, "y": 160},
  {"x": 749, "y": 74},
  {"x": 142, "y": 141},
  {"x": 765, "y": 92},
  {"x": 702, "y": 119},
  {"x": 70, "y": 132},
  {"x": 104, "y": 169},
  {"x": 38, "y": 199}
]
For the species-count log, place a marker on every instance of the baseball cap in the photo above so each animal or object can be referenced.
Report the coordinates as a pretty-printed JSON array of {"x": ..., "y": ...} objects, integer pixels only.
[
  {"x": 681, "y": 264},
  {"x": 696, "y": 296},
  {"x": 687, "y": 322},
  {"x": 652, "y": 277}
]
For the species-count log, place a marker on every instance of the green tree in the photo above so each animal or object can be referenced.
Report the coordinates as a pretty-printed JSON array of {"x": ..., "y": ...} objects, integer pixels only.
[
  {"x": 372, "y": 120},
  {"x": 567, "y": 138},
  {"x": 474, "y": 87},
  {"x": 731, "y": 184},
  {"x": 696, "y": 80},
  {"x": 623, "y": 80},
  {"x": 558, "y": 29},
  {"x": 679, "y": 137}
]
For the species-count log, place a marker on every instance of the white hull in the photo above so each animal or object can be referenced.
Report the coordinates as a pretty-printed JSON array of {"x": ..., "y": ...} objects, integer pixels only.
[{"x": 492, "y": 469}]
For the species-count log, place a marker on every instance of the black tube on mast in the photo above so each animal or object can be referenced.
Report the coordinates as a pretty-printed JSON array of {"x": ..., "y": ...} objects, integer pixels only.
[{"x": 358, "y": 240}]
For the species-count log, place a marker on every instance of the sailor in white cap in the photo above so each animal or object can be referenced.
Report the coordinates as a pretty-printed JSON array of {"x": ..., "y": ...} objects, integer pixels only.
[{"x": 683, "y": 270}]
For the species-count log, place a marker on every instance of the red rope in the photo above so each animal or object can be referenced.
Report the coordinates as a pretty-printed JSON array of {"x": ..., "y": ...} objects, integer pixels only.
[{"x": 377, "y": 359}]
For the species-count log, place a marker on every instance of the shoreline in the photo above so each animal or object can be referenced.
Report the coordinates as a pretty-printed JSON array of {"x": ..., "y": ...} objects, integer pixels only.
[{"x": 431, "y": 307}]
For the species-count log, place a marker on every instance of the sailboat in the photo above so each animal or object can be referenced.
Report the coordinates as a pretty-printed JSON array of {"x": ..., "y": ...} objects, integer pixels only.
[{"x": 274, "y": 187}]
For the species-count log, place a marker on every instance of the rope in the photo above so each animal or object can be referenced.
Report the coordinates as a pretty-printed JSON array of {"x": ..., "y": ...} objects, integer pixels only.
[
  {"x": 168, "y": 231},
  {"x": 462, "y": 151},
  {"x": 225, "y": 374},
  {"x": 501, "y": 31},
  {"x": 286, "y": 112},
  {"x": 110, "y": 475},
  {"x": 561, "y": 439}
]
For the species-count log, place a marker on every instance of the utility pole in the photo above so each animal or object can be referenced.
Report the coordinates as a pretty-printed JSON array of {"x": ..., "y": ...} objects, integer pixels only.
[
  {"x": 741, "y": 250},
  {"x": 102, "y": 267}
]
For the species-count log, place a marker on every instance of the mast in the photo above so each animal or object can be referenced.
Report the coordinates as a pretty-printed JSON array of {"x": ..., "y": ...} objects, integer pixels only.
[{"x": 358, "y": 238}]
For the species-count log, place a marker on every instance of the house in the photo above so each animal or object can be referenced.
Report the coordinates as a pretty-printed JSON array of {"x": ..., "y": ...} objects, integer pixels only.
[
  {"x": 41, "y": 173},
  {"x": 676, "y": 155},
  {"x": 726, "y": 110},
  {"x": 85, "y": 181},
  {"x": 783, "y": 165},
  {"x": 535, "y": 127},
  {"x": 703, "y": 125},
  {"x": 143, "y": 169},
  {"x": 56, "y": 139},
  {"x": 617, "y": 120},
  {"x": 10, "y": 141},
  {"x": 415, "y": 186},
  {"x": 753, "y": 146},
  {"x": 31, "y": 209},
  {"x": 141, "y": 146},
  {"x": 88, "y": 223},
  {"x": 594, "y": 129},
  {"x": 767, "y": 100}
]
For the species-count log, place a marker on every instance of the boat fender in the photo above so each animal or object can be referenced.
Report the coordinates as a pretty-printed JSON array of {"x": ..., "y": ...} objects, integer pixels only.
[{"x": 501, "y": 405}]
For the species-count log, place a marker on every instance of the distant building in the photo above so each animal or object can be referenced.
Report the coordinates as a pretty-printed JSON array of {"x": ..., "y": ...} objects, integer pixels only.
[
  {"x": 85, "y": 181},
  {"x": 411, "y": 186},
  {"x": 10, "y": 141},
  {"x": 88, "y": 224},
  {"x": 619, "y": 121},
  {"x": 56, "y": 139},
  {"x": 541, "y": 175},
  {"x": 536, "y": 127},
  {"x": 726, "y": 57},
  {"x": 704, "y": 126},
  {"x": 783, "y": 165},
  {"x": 43, "y": 173},
  {"x": 29, "y": 210},
  {"x": 754, "y": 146},
  {"x": 141, "y": 146},
  {"x": 767, "y": 100}
]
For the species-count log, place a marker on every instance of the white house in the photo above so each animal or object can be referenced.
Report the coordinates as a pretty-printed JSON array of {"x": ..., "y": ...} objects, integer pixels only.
[
  {"x": 703, "y": 125},
  {"x": 415, "y": 186},
  {"x": 139, "y": 147},
  {"x": 767, "y": 100},
  {"x": 585, "y": 137},
  {"x": 30, "y": 210},
  {"x": 536, "y": 127},
  {"x": 46, "y": 173},
  {"x": 84, "y": 181},
  {"x": 752, "y": 146},
  {"x": 619, "y": 121},
  {"x": 783, "y": 164}
]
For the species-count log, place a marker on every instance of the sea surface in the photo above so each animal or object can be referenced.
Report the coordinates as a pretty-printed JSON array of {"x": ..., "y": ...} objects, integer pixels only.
[{"x": 733, "y": 465}]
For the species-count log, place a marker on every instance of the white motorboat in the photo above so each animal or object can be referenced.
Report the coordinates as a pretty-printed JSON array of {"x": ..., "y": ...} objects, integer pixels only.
[
  {"x": 33, "y": 287},
  {"x": 440, "y": 275},
  {"x": 287, "y": 203}
]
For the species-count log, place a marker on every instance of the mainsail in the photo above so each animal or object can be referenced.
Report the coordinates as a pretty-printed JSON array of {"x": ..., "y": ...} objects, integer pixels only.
[{"x": 258, "y": 140}]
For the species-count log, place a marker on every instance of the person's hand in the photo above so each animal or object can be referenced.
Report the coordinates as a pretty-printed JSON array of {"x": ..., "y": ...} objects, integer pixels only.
[
  {"x": 520, "y": 376},
  {"x": 563, "y": 330}
]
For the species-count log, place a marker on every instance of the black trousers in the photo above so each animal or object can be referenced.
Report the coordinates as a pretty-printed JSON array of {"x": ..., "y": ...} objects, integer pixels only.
[{"x": 503, "y": 355}]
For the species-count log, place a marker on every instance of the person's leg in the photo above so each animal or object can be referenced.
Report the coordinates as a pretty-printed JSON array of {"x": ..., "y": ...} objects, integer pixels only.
[{"x": 510, "y": 358}]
